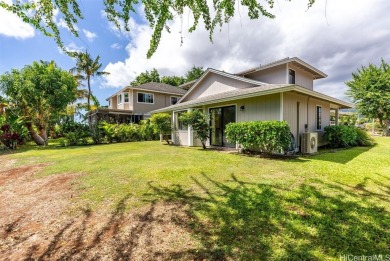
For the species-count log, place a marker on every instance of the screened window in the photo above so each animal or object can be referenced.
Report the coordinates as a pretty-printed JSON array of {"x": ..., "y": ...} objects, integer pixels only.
[
  {"x": 291, "y": 76},
  {"x": 119, "y": 98},
  {"x": 174, "y": 100},
  {"x": 145, "y": 97},
  {"x": 126, "y": 97},
  {"x": 318, "y": 118}
]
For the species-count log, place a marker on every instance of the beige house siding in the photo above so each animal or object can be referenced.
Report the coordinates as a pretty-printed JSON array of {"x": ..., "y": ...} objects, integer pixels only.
[
  {"x": 275, "y": 75},
  {"x": 256, "y": 109},
  {"x": 307, "y": 113},
  {"x": 302, "y": 78},
  {"x": 214, "y": 84},
  {"x": 290, "y": 112},
  {"x": 160, "y": 101}
]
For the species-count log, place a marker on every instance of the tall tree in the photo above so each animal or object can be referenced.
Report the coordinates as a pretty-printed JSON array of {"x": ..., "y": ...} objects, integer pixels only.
[
  {"x": 173, "y": 80},
  {"x": 370, "y": 90},
  {"x": 41, "y": 14},
  {"x": 37, "y": 92},
  {"x": 194, "y": 73},
  {"x": 145, "y": 77},
  {"x": 86, "y": 67}
]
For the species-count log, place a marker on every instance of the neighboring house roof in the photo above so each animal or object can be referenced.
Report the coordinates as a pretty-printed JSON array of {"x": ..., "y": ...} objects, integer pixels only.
[
  {"x": 187, "y": 85},
  {"x": 295, "y": 61},
  {"x": 155, "y": 87},
  {"x": 252, "y": 92},
  {"x": 228, "y": 75}
]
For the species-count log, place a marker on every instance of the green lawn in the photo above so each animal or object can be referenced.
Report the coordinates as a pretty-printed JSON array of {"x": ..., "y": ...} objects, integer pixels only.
[{"x": 241, "y": 207}]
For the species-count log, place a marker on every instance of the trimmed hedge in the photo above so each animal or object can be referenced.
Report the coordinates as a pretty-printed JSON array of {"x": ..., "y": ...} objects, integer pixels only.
[
  {"x": 340, "y": 136},
  {"x": 264, "y": 136}
]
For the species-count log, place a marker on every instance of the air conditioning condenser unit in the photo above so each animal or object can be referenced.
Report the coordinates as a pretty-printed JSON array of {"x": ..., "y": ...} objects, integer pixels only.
[{"x": 309, "y": 142}]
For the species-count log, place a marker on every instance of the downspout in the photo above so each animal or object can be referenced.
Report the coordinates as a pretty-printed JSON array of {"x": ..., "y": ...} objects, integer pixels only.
[{"x": 307, "y": 115}]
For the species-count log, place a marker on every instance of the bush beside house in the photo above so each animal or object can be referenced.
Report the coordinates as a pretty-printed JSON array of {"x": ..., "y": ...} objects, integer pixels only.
[
  {"x": 265, "y": 136},
  {"x": 340, "y": 136}
]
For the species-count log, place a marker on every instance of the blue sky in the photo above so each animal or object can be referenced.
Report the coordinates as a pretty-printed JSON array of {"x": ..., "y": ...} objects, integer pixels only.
[{"x": 334, "y": 36}]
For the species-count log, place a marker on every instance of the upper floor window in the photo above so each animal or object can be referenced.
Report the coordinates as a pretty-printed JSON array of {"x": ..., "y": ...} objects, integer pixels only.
[
  {"x": 174, "y": 100},
  {"x": 145, "y": 97},
  {"x": 120, "y": 98},
  {"x": 126, "y": 97},
  {"x": 109, "y": 103},
  {"x": 291, "y": 76},
  {"x": 318, "y": 117}
]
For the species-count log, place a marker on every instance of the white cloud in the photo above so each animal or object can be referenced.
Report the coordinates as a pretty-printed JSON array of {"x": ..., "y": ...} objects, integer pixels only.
[
  {"x": 71, "y": 47},
  {"x": 62, "y": 24},
  {"x": 116, "y": 46},
  {"x": 349, "y": 35},
  {"x": 90, "y": 35},
  {"x": 12, "y": 26}
]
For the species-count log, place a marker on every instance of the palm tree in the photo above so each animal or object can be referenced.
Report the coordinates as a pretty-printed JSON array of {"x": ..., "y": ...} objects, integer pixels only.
[{"x": 86, "y": 68}]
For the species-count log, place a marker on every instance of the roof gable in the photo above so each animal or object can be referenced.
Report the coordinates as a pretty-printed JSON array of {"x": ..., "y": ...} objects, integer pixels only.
[
  {"x": 317, "y": 74},
  {"x": 214, "y": 82}
]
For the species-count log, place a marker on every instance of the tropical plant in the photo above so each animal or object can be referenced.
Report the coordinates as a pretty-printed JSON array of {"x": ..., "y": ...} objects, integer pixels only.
[
  {"x": 86, "y": 67},
  {"x": 37, "y": 92},
  {"x": 161, "y": 123},
  {"x": 370, "y": 90},
  {"x": 199, "y": 122}
]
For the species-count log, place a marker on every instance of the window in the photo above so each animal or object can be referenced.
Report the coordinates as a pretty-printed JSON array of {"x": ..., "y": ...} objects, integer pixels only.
[
  {"x": 318, "y": 118},
  {"x": 291, "y": 76},
  {"x": 126, "y": 97},
  {"x": 180, "y": 125},
  {"x": 174, "y": 100},
  {"x": 120, "y": 98},
  {"x": 145, "y": 97},
  {"x": 109, "y": 103}
]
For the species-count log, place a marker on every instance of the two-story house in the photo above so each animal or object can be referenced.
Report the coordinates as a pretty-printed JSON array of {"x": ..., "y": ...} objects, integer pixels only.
[
  {"x": 282, "y": 90},
  {"x": 133, "y": 103}
]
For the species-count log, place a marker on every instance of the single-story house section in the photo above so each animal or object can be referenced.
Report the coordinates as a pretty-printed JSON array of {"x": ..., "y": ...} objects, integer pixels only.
[{"x": 282, "y": 90}]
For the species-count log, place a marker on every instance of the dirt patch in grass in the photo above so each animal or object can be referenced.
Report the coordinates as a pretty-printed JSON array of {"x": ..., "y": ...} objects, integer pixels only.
[{"x": 36, "y": 223}]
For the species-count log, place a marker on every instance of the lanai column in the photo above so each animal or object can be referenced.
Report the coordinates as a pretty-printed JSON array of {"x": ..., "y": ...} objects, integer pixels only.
[
  {"x": 173, "y": 126},
  {"x": 190, "y": 133},
  {"x": 336, "y": 114}
]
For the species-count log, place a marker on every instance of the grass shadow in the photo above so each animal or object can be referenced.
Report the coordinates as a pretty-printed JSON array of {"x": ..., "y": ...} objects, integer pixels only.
[{"x": 255, "y": 221}]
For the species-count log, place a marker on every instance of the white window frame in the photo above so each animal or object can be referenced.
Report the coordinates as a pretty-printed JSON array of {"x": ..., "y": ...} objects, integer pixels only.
[
  {"x": 145, "y": 93},
  {"x": 124, "y": 97},
  {"x": 109, "y": 103},
  {"x": 119, "y": 98},
  {"x": 178, "y": 98},
  {"x": 316, "y": 123}
]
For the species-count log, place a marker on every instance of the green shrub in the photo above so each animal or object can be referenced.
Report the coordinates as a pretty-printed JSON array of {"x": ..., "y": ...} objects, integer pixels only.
[
  {"x": 363, "y": 138},
  {"x": 266, "y": 136},
  {"x": 200, "y": 123},
  {"x": 340, "y": 136},
  {"x": 125, "y": 132}
]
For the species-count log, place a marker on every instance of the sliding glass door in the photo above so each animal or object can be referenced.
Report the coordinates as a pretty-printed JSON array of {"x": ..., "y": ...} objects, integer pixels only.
[{"x": 219, "y": 118}]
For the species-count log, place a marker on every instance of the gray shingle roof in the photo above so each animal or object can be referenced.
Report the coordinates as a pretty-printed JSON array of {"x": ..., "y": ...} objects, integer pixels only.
[
  {"x": 251, "y": 92},
  {"x": 160, "y": 87},
  {"x": 225, "y": 95}
]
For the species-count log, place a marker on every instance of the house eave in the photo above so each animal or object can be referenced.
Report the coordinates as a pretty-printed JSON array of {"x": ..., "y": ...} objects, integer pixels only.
[{"x": 295, "y": 88}]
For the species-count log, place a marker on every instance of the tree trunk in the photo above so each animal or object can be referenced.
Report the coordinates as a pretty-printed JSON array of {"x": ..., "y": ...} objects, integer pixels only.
[
  {"x": 89, "y": 104},
  {"x": 43, "y": 134},
  {"x": 203, "y": 144},
  {"x": 35, "y": 136},
  {"x": 386, "y": 126}
]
